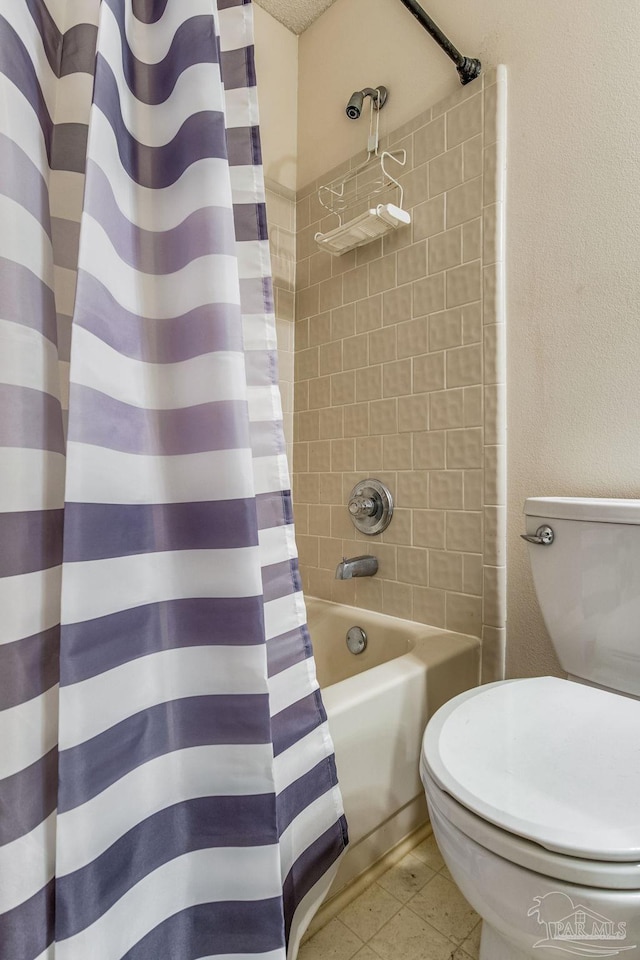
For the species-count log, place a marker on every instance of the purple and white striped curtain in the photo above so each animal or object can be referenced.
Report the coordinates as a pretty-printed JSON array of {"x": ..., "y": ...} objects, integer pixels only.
[{"x": 167, "y": 783}]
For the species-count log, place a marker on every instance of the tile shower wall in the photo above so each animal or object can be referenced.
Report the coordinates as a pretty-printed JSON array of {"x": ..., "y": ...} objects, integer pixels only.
[
  {"x": 281, "y": 223},
  {"x": 399, "y": 375}
]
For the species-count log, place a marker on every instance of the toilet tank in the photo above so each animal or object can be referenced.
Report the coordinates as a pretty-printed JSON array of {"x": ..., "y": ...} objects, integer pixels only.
[{"x": 588, "y": 586}]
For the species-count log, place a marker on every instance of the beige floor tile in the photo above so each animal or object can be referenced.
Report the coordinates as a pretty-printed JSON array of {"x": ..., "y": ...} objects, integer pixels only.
[
  {"x": 428, "y": 852},
  {"x": 366, "y": 953},
  {"x": 406, "y": 878},
  {"x": 471, "y": 946},
  {"x": 407, "y": 937},
  {"x": 445, "y": 873},
  {"x": 370, "y": 911},
  {"x": 440, "y": 903},
  {"x": 333, "y": 942}
]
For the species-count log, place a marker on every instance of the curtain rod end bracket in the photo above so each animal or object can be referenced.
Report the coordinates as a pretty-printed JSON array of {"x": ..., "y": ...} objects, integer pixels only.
[{"x": 469, "y": 69}]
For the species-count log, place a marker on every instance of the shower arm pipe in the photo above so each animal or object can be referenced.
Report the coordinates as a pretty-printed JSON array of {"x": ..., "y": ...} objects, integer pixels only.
[{"x": 468, "y": 68}]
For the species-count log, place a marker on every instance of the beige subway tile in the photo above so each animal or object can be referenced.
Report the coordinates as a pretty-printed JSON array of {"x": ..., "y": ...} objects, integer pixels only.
[
  {"x": 384, "y": 416},
  {"x": 343, "y": 388},
  {"x": 329, "y": 552},
  {"x": 472, "y": 158},
  {"x": 495, "y": 360},
  {"x": 472, "y": 240},
  {"x": 301, "y": 336},
  {"x": 413, "y": 488},
  {"x": 319, "y": 521},
  {"x": 445, "y": 172},
  {"x": 369, "y": 314},
  {"x": 331, "y": 357},
  {"x": 493, "y": 293},
  {"x": 464, "y": 202},
  {"x": 307, "y": 424},
  {"x": 301, "y": 457},
  {"x": 473, "y": 407},
  {"x": 301, "y": 511},
  {"x": 286, "y": 306},
  {"x": 387, "y": 560},
  {"x": 397, "y": 599},
  {"x": 321, "y": 583},
  {"x": 445, "y": 570},
  {"x": 464, "y": 449},
  {"x": 428, "y": 141},
  {"x": 319, "y": 393},
  {"x": 397, "y": 239},
  {"x": 412, "y": 262},
  {"x": 464, "y": 366},
  {"x": 397, "y": 452},
  {"x": 343, "y": 455},
  {"x": 343, "y": 591},
  {"x": 302, "y": 277},
  {"x": 472, "y": 574},
  {"x": 429, "y": 372},
  {"x": 368, "y": 453},
  {"x": 285, "y": 366},
  {"x": 464, "y": 121},
  {"x": 319, "y": 327},
  {"x": 369, "y": 383},
  {"x": 307, "y": 364},
  {"x": 429, "y": 450},
  {"x": 413, "y": 337},
  {"x": 445, "y": 250},
  {"x": 331, "y": 293},
  {"x": 473, "y": 489},
  {"x": 307, "y": 549},
  {"x": 446, "y": 410},
  {"x": 331, "y": 423},
  {"x": 428, "y": 295},
  {"x": 382, "y": 274},
  {"x": 356, "y": 284},
  {"x": 429, "y": 528},
  {"x": 445, "y": 329},
  {"x": 396, "y": 305},
  {"x": 412, "y": 565},
  {"x": 356, "y": 420},
  {"x": 396, "y": 378},
  {"x": 399, "y": 530},
  {"x": 495, "y": 600},
  {"x": 428, "y": 218},
  {"x": 464, "y": 531},
  {"x": 472, "y": 323},
  {"x": 464, "y": 614},
  {"x": 495, "y": 535},
  {"x": 495, "y": 410},
  {"x": 413, "y": 413},
  {"x": 355, "y": 351},
  {"x": 302, "y": 213},
  {"x": 308, "y": 302},
  {"x": 319, "y": 454},
  {"x": 341, "y": 525},
  {"x": 446, "y": 489},
  {"x": 493, "y": 241},
  {"x": 415, "y": 185},
  {"x": 492, "y": 97},
  {"x": 367, "y": 253},
  {"x": 343, "y": 322},
  {"x": 495, "y": 493},
  {"x": 493, "y": 653},
  {"x": 429, "y": 606},
  {"x": 319, "y": 267},
  {"x": 464, "y": 284},
  {"x": 342, "y": 264},
  {"x": 369, "y": 593},
  {"x": 330, "y": 487}
]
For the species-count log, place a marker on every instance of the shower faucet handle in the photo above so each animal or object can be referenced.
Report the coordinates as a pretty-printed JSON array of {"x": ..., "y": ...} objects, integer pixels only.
[{"x": 362, "y": 506}]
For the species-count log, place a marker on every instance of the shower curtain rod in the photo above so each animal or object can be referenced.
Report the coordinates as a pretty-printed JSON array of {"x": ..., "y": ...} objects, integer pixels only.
[{"x": 468, "y": 69}]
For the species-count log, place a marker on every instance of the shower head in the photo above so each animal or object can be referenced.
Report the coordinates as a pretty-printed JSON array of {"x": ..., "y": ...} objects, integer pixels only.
[{"x": 356, "y": 100}]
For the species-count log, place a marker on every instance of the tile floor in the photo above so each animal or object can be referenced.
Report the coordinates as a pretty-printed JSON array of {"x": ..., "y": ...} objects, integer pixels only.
[{"x": 414, "y": 911}]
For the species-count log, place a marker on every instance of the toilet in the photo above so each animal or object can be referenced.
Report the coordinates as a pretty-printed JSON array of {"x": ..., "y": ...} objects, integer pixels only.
[{"x": 533, "y": 785}]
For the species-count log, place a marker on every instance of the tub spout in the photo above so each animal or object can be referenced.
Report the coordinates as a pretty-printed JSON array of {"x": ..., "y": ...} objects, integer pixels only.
[{"x": 356, "y": 567}]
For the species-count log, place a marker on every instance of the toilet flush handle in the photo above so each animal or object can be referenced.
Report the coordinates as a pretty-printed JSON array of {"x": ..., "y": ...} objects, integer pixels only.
[{"x": 544, "y": 536}]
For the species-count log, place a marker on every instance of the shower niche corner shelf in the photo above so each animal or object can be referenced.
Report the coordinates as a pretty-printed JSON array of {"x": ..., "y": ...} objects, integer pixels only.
[{"x": 367, "y": 202}]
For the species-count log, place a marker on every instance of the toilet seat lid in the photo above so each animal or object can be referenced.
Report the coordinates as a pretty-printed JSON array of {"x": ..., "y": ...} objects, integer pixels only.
[{"x": 550, "y": 760}]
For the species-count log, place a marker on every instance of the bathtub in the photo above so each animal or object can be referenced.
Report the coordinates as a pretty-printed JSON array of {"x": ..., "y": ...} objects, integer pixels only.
[{"x": 378, "y": 703}]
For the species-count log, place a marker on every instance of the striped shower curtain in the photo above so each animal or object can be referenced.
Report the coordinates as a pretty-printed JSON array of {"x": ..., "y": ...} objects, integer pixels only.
[{"x": 167, "y": 782}]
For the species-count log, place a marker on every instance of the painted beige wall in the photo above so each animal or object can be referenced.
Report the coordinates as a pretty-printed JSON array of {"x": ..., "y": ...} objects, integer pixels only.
[
  {"x": 573, "y": 226},
  {"x": 276, "y": 51}
]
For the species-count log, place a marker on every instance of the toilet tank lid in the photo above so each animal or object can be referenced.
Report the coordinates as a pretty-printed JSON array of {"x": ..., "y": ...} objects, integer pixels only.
[{"x": 596, "y": 510}]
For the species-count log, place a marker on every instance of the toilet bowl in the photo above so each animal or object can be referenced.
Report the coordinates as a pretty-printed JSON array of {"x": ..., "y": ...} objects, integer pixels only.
[{"x": 533, "y": 785}]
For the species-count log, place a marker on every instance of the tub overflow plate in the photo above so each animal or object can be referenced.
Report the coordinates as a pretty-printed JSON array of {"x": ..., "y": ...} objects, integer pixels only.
[{"x": 356, "y": 640}]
